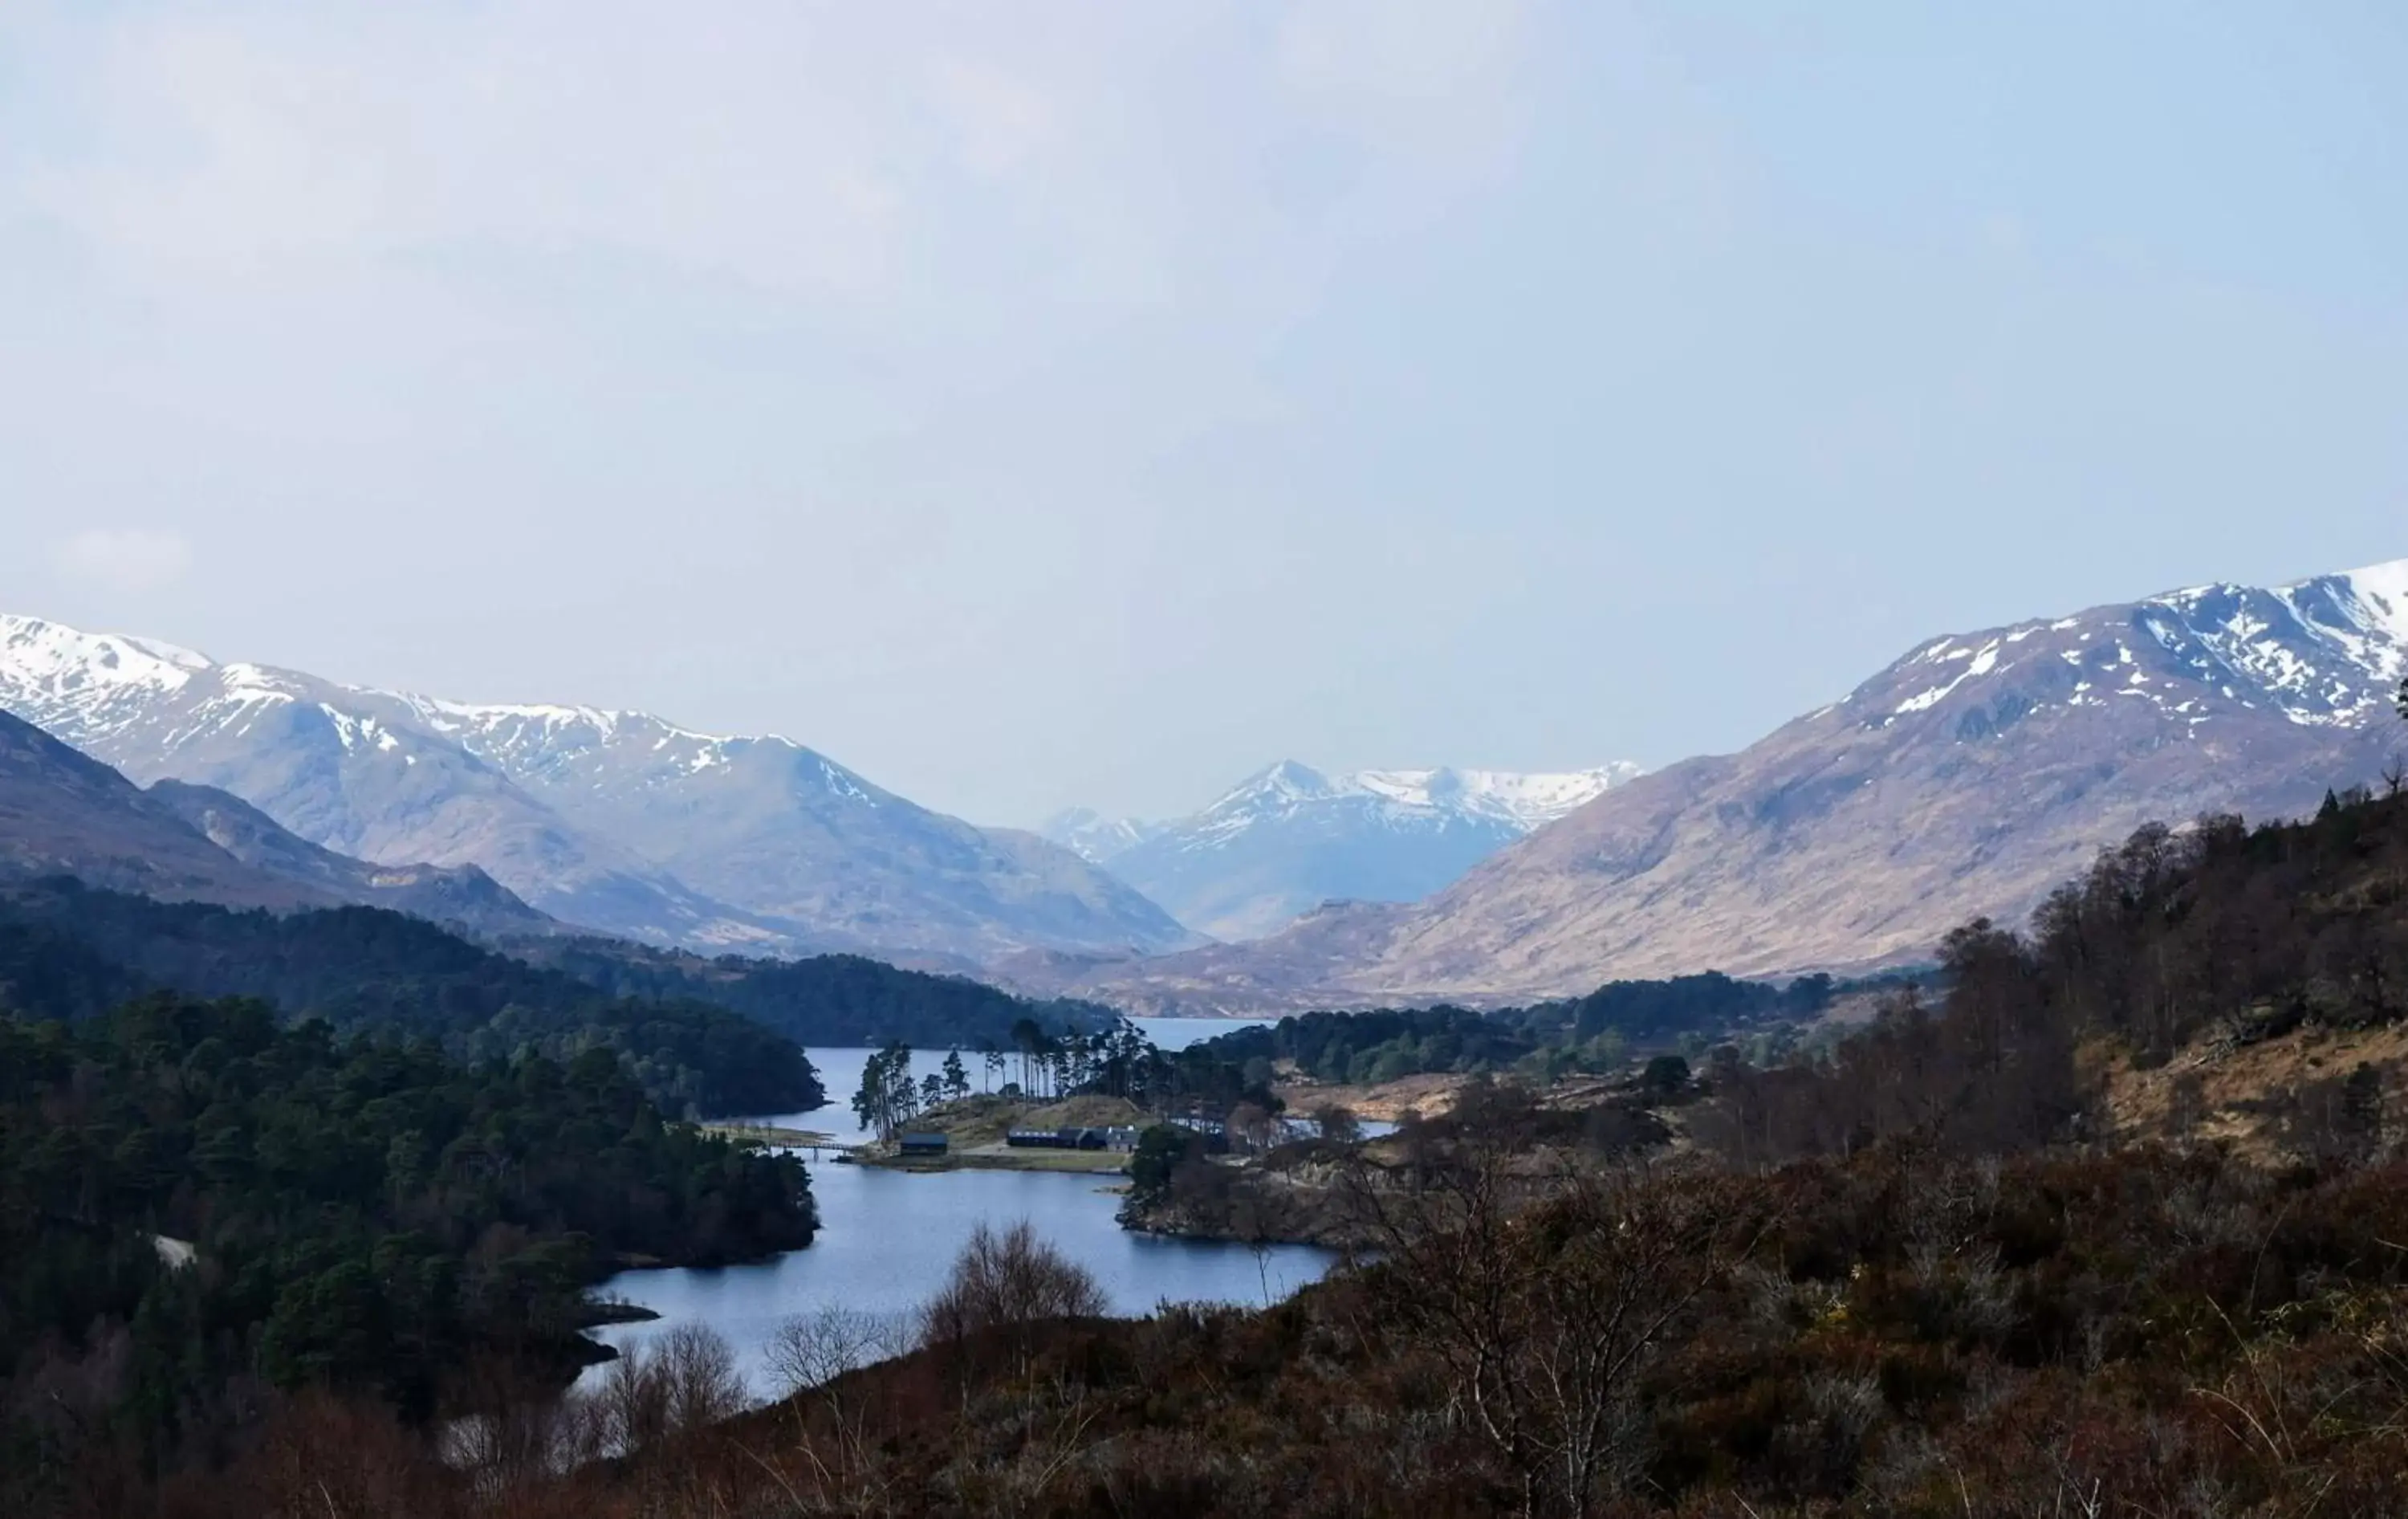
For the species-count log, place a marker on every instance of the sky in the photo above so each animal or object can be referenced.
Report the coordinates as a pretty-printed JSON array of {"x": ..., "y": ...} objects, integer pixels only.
[{"x": 1042, "y": 404}]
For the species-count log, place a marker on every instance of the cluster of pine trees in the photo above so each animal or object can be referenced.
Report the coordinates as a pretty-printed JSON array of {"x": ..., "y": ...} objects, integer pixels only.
[
  {"x": 199, "y": 1205},
  {"x": 69, "y": 951},
  {"x": 1593, "y": 1033},
  {"x": 828, "y": 999},
  {"x": 889, "y": 1098},
  {"x": 1116, "y": 1060}
]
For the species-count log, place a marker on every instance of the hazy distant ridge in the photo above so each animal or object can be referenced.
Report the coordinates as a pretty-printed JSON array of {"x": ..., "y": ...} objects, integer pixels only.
[{"x": 1290, "y": 838}]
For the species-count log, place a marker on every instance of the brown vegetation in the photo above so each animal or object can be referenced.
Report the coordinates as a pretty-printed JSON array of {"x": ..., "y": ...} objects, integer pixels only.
[
  {"x": 1903, "y": 1332},
  {"x": 1944, "y": 1268}
]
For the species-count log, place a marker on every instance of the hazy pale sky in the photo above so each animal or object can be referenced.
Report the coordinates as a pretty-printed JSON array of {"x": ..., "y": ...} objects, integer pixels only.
[{"x": 1034, "y": 403}]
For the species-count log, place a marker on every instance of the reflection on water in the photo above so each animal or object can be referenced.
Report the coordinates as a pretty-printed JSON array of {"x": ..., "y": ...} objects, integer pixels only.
[{"x": 888, "y": 1237}]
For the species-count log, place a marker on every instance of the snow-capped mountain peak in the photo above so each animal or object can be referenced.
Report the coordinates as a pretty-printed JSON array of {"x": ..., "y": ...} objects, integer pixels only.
[
  {"x": 610, "y": 819},
  {"x": 2326, "y": 651},
  {"x": 1529, "y": 800},
  {"x": 48, "y": 668},
  {"x": 1289, "y": 837},
  {"x": 1519, "y": 801}
]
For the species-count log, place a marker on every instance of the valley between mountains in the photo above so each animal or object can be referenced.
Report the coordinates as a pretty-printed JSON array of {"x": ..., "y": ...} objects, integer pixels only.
[{"x": 1961, "y": 780}]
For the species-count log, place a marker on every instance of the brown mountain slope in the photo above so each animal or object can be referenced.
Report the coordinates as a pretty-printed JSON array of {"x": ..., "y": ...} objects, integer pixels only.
[
  {"x": 63, "y": 813},
  {"x": 1965, "y": 780},
  {"x": 461, "y": 895}
]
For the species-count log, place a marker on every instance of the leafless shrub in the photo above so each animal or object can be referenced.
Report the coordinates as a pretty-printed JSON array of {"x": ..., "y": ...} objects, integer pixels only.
[
  {"x": 1985, "y": 1300},
  {"x": 1777, "y": 1303},
  {"x": 681, "y": 1382},
  {"x": 699, "y": 1369},
  {"x": 517, "y": 1432},
  {"x": 809, "y": 1351},
  {"x": 1008, "y": 1280},
  {"x": 632, "y": 1403},
  {"x": 1544, "y": 1317},
  {"x": 1904, "y": 1465},
  {"x": 1844, "y": 1410}
]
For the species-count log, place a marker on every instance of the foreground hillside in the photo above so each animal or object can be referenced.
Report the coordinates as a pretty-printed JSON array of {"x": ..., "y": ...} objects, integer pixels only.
[
  {"x": 1896, "y": 1333},
  {"x": 1964, "y": 781},
  {"x": 1976, "y": 1259}
]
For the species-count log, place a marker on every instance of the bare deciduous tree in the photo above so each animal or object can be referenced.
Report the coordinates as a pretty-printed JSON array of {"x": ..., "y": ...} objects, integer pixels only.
[
  {"x": 1546, "y": 1297},
  {"x": 1008, "y": 1280},
  {"x": 681, "y": 1382}
]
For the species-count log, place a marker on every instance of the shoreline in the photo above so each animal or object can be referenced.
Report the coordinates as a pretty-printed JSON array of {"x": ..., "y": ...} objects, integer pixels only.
[{"x": 1065, "y": 1162}]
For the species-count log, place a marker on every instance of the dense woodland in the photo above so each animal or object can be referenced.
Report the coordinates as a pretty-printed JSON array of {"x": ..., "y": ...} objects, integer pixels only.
[
  {"x": 828, "y": 999},
  {"x": 365, "y": 1217},
  {"x": 2218, "y": 931},
  {"x": 1597, "y": 1033},
  {"x": 70, "y": 953}
]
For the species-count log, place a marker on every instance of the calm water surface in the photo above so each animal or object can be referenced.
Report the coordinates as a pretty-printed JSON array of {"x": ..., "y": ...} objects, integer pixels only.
[
  {"x": 887, "y": 1238},
  {"x": 840, "y": 1072}
]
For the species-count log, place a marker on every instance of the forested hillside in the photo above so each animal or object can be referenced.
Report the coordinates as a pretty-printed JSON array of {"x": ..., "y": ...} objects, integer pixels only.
[
  {"x": 1593, "y": 1032},
  {"x": 2219, "y": 932},
  {"x": 369, "y": 1217},
  {"x": 70, "y": 953},
  {"x": 828, "y": 999}
]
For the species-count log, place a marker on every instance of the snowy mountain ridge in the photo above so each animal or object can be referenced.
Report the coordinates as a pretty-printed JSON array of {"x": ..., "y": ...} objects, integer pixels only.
[
  {"x": 1290, "y": 838},
  {"x": 1412, "y": 798},
  {"x": 619, "y": 821},
  {"x": 2325, "y": 652},
  {"x": 1966, "y": 779}
]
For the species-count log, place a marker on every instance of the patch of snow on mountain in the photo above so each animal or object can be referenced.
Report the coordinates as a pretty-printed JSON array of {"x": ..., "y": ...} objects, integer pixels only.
[
  {"x": 1983, "y": 664},
  {"x": 60, "y": 678},
  {"x": 1095, "y": 838},
  {"x": 1398, "y": 799},
  {"x": 2326, "y": 652}
]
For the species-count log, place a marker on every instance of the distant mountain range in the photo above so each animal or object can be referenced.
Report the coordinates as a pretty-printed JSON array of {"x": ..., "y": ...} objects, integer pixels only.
[
  {"x": 1966, "y": 779},
  {"x": 1290, "y": 839},
  {"x": 612, "y": 820},
  {"x": 109, "y": 889}
]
